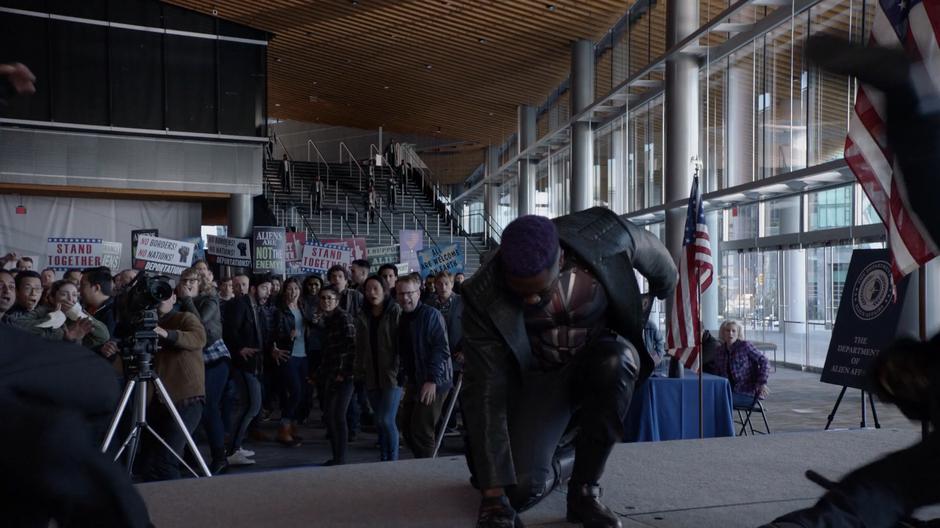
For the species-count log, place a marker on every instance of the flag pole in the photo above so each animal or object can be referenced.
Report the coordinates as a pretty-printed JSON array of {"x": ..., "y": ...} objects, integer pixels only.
[{"x": 697, "y": 349}]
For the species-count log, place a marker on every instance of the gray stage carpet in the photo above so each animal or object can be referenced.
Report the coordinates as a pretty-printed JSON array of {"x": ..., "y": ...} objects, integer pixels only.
[{"x": 722, "y": 482}]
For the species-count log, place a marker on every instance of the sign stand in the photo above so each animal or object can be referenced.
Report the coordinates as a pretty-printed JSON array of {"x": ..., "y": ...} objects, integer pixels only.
[{"x": 871, "y": 401}]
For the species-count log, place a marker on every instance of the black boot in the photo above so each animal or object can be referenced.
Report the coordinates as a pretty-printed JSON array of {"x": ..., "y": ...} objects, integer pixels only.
[{"x": 585, "y": 507}]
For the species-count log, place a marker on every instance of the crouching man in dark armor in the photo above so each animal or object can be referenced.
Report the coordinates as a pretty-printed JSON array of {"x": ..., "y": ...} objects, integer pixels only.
[{"x": 553, "y": 341}]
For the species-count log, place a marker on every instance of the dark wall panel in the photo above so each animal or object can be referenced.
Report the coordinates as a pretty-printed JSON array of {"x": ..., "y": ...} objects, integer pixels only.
[
  {"x": 140, "y": 13},
  {"x": 190, "y": 84},
  {"x": 241, "y": 78},
  {"x": 185, "y": 20},
  {"x": 94, "y": 75},
  {"x": 25, "y": 39},
  {"x": 78, "y": 73},
  {"x": 94, "y": 9},
  {"x": 136, "y": 79}
]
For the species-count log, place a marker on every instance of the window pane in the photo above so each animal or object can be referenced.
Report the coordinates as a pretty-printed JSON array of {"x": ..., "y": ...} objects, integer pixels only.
[{"x": 830, "y": 208}]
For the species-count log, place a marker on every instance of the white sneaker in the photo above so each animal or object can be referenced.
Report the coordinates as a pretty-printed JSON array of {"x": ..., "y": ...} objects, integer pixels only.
[
  {"x": 239, "y": 459},
  {"x": 246, "y": 452}
]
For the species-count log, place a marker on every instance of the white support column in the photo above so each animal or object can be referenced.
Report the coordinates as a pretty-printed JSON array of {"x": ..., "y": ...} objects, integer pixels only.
[
  {"x": 527, "y": 131},
  {"x": 582, "y": 138},
  {"x": 710, "y": 296},
  {"x": 681, "y": 109}
]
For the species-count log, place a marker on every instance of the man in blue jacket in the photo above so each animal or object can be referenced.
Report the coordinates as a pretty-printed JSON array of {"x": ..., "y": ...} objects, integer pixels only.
[{"x": 425, "y": 366}]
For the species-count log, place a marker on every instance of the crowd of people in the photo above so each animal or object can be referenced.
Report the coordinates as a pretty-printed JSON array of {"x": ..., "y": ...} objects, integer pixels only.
[{"x": 239, "y": 349}]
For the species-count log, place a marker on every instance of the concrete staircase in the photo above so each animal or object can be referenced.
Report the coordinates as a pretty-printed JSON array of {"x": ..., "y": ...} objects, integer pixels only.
[{"x": 343, "y": 211}]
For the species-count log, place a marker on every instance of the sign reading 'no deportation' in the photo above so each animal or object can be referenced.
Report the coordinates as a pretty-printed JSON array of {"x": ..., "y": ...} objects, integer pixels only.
[
  {"x": 228, "y": 251},
  {"x": 319, "y": 258},
  {"x": 66, "y": 253},
  {"x": 163, "y": 255},
  {"x": 269, "y": 250}
]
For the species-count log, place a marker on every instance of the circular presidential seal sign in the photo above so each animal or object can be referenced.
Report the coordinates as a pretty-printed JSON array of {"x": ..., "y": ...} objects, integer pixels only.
[{"x": 872, "y": 292}]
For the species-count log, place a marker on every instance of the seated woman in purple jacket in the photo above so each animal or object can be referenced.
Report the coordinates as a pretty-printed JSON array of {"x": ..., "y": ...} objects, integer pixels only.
[{"x": 740, "y": 362}]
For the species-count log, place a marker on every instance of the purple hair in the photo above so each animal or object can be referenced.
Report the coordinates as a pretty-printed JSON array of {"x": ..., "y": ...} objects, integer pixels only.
[{"x": 529, "y": 246}]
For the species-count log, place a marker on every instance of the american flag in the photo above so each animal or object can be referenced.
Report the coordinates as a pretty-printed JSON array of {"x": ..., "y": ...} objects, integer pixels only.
[
  {"x": 908, "y": 24},
  {"x": 684, "y": 334}
]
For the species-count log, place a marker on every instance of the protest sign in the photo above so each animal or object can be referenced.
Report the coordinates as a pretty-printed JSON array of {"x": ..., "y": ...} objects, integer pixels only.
[
  {"x": 199, "y": 245},
  {"x": 434, "y": 260},
  {"x": 163, "y": 255},
  {"x": 412, "y": 241},
  {"x": 319, "y": 258},
  {"x": 867, "y": 320},
  {"x": 228, "y": 251},
  {"x": 294, "y": 252},
  {"x": 270, "y": 246},
  {"x": 357, "y": 246},
  {"x": 382, "y": 255},
  {"x": 135, "y": 235},
  {"x": 64, "y": 253}
]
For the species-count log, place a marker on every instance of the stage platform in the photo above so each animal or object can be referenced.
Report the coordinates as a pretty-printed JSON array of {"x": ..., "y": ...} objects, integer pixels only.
[{"x": 721, "y": 483}]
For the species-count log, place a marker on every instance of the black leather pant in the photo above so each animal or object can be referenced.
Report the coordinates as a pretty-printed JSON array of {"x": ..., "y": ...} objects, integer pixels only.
[{"x": 575, "y": 412}]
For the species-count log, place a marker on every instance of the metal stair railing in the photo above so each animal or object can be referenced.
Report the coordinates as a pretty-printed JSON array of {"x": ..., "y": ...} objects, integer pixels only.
[
  {"x": 322, "y": 163},
  {"x": 491, "y": 229},
  {"x": 350, "y": 161}
]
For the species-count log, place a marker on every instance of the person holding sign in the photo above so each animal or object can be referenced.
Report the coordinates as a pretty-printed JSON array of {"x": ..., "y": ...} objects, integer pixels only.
[{"x": 739, "y": 361}]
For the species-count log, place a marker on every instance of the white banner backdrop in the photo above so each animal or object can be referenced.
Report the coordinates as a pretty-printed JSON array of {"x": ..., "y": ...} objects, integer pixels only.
[{"x": 83, "y": 217}]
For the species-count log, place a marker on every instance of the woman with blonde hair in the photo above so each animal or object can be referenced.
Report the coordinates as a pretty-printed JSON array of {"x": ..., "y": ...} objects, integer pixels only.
[{"x": 740, "y": 361}]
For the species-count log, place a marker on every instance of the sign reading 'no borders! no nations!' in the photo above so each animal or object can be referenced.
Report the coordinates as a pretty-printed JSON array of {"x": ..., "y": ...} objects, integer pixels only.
[{"x": 163, "y": 255}]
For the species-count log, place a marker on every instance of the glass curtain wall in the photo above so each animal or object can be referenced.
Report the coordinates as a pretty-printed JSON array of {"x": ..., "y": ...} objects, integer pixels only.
[{"x": 645, "y": 155}]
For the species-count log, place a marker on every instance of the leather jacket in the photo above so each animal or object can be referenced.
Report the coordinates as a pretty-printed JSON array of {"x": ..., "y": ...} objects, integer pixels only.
[{"x": 496, "y": 346}]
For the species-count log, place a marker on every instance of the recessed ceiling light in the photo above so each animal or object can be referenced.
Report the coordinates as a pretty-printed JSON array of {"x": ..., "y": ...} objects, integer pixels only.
[
  {"x": 348, "y": 61},
  {"x": 354, "y": 3},
  {"x": 491, "y": 113},
  {"x": 481, "y": 40},
  {"x": 550, "y": 7},
  {"x": 315, "y": 82},
  {"x": 427, "y": 66},
  {"x": 385, "y": 87},
  {"x": 277, "y": 104}
]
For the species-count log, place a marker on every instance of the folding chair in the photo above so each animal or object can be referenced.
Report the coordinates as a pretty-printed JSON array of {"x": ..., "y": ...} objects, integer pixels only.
[{"x": 744, "y": 417}]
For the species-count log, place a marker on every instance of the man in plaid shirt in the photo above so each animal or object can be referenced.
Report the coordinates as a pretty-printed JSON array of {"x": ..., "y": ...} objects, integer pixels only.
[{"x": 739, "y": 361}]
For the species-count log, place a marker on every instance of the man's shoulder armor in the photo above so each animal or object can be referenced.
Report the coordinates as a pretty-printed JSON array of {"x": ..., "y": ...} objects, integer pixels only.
[{"x": 482, "y": 289}]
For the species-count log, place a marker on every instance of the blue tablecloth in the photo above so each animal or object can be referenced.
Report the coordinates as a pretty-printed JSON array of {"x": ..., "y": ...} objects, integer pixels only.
[{"x": 667, "y": 409}]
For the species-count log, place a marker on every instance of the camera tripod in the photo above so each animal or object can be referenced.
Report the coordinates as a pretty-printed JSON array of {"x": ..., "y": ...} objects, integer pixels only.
[{"x": 140, "y": 374}]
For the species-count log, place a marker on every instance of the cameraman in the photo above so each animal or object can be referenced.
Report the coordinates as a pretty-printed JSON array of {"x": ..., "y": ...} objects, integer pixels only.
[{"x": 179, "y": 364}]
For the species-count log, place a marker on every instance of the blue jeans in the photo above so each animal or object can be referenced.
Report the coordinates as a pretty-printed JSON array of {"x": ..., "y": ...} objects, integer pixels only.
[
  {"x": 216, "y": 379},
  {"x": 742, "y": 400},
  {"x": 249, "y": 391},
  {"x": 294, "y": 379},
  {"x": 385, "y": 404}
]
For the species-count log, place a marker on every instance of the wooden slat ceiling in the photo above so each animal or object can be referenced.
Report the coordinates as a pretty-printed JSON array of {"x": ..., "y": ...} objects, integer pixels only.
[{"x": 365, "y": 63}]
